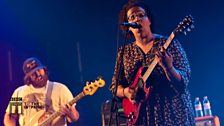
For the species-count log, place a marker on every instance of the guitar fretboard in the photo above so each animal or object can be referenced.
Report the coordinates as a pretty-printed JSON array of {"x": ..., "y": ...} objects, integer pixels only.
[{"x": 155, "y": 61}]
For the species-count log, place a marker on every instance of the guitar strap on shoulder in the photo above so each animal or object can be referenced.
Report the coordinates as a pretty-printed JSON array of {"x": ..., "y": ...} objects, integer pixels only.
[{"x": 48, "y": 96}]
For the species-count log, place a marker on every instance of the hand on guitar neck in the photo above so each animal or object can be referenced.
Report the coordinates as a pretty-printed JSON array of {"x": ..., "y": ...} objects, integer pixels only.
[
  {"x": 165, "y": 60},
  {"x": 70, "y": 111}
]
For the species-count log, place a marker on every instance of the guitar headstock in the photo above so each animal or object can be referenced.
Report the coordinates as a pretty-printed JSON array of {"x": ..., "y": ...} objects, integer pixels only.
[
  {"x": 92, "y": 87},
  {"x": 185, "y": 26}
]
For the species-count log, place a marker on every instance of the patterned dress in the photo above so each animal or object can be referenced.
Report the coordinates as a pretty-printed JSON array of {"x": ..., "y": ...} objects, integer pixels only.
[{"x": 169, "y": 103}]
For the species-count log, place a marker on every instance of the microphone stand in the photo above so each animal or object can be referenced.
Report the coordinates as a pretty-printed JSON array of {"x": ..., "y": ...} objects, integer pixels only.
[{"x": 114, "y": 103}]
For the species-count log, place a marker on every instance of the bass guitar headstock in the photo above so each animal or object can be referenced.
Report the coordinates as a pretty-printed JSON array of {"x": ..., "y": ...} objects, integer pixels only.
[{"x": 91, "y": 87}]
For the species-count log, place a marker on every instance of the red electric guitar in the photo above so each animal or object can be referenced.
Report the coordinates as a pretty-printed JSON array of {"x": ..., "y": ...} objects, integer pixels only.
[{"x": 132, "y": 110}]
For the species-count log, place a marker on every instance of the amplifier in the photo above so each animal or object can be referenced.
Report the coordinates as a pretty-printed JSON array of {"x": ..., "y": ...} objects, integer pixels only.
[
  {"x": 207, "y": 121},
  {"x": 106, "y": 113}
]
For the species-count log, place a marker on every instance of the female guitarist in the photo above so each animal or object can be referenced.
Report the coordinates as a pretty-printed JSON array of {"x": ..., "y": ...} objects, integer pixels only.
[{"x": 152, "y": 80}]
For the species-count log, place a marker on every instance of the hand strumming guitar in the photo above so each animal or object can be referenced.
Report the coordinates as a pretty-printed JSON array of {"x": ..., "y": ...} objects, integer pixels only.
[{"x": 129, "y": 93}]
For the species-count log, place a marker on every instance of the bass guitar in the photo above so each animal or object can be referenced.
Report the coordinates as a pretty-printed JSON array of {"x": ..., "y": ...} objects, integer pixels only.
[{"x": 41, "y": 118}]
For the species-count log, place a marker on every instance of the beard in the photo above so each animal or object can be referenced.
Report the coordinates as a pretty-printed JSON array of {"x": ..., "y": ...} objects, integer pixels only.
[{"x": 40, "y": 81}]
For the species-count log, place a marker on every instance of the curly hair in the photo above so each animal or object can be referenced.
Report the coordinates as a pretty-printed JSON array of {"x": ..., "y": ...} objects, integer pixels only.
[{"x": 133, "y": 3}]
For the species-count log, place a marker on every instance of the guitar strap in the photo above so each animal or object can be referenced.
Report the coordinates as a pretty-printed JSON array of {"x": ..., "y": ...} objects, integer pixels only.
[{"x": 48, "y": 96}]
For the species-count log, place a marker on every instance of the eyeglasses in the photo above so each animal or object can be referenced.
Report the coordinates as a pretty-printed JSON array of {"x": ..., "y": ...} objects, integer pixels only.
[{"x": 139, "y": 14}]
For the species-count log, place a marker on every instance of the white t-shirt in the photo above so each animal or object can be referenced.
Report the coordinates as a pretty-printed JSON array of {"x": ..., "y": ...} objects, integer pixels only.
[{"x": 33, "y": 100}]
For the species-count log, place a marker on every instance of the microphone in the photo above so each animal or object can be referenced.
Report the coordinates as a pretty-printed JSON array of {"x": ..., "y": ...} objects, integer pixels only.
[{"x": 131, "y": 24}]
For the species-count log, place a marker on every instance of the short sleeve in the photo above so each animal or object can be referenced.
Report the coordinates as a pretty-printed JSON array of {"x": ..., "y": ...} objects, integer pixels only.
[
  {"x": 118, "y": 68},
  {"x": 11, "y": 108},
  {"x": 181, "y": 62},
  {"x": 66, "y": 95}
]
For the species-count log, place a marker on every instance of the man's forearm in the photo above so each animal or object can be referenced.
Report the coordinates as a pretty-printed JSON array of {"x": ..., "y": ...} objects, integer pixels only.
[
  {"x": 74, "y": 116},
  {"x": 10, "y": 120}
]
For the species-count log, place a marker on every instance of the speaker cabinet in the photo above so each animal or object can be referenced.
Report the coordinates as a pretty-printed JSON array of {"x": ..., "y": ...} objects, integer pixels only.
[
  {"x": 207, "y": 121},
  {"x": 106, "y": 113}
]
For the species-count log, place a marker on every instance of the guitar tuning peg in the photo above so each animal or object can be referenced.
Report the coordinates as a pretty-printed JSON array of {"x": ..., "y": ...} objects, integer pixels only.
[
  {"x": 99, "y": 77},
  {"x": 188, "y": 29},
  {"x": 87, "y": 82}
]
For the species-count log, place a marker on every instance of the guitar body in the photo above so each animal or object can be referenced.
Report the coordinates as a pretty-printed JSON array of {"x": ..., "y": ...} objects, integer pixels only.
[
  {"x": 37, "y": 118},
  {"x": 131, "y": 110}
]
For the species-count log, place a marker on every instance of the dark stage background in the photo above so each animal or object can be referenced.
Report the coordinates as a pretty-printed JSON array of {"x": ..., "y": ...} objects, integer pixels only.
[{"x": 77, "y": 40}]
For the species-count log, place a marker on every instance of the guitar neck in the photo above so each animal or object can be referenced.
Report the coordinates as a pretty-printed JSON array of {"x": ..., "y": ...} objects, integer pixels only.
[
  {"x": 57, "y": 113},
  {"x": 76, "y": 99},
  {"x": 155, "y": 61},
  {"x": 169, "y": 40}
]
